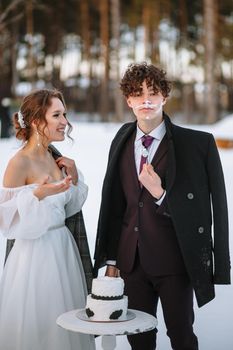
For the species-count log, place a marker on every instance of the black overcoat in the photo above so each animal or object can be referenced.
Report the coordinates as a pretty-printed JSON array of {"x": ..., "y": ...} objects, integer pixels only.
[{"x": 195, "y": 200}]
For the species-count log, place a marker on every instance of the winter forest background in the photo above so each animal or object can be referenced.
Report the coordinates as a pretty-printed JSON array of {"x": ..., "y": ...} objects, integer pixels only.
[{"x": 82, "y": 48}]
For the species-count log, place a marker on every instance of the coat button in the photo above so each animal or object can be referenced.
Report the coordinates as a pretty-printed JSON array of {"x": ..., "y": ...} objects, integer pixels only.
[
  {"x": 200, "y": 229},
  {"x": 190, "y": 195},
  {"x": 136, "y": 229},
  {"x": 140, "y": 204},
  {"x": 208, "y": 263}
]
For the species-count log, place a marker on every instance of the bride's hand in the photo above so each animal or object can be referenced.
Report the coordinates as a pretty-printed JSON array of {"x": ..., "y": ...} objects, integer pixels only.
[
  {"x": 48, "y": 189},
  {"x": 70, "y": 167}
]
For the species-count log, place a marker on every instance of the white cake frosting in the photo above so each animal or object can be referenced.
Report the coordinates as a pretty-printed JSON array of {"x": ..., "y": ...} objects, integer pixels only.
[
  {"x": 108, "y": 286},
  {"x": 106, "y": 301}
]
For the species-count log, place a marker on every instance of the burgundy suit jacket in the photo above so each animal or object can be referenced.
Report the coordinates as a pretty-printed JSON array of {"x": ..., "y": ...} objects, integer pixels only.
[{"x": 143, "y": 230}]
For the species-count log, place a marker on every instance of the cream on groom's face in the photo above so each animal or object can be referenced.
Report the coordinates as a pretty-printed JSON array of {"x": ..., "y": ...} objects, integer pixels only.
[{"x": 147, "y": 104}]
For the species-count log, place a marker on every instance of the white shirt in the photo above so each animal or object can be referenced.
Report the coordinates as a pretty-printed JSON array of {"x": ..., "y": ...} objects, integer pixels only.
[{"x": 158, "y": 134}]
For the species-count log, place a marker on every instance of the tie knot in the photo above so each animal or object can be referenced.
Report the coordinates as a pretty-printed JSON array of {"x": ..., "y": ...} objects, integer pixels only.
[{"x": 147, "y": 140}]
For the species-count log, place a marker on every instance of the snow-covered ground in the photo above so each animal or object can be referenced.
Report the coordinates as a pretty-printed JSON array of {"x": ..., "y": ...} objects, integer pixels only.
[{"x": 214, "y": 322}]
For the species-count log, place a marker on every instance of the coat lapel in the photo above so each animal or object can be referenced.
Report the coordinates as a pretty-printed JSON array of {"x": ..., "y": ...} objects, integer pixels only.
[
  {"x": 131, "y": 160},
  {"x": 118, "y": 144},
  {"x": 171, "y": 160}
]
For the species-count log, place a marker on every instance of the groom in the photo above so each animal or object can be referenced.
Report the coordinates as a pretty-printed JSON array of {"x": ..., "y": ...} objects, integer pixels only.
[{"x": 163, "y": 188}]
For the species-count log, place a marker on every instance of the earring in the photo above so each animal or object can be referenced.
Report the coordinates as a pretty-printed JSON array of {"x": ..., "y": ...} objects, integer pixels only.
[{"x": 38, "y": 139}]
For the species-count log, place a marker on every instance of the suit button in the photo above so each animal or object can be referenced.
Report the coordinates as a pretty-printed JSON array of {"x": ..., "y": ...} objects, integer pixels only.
[
  {"x": 140, "y": 204},
  {"x": 200, "y": 229},
  {"x": 190, "y": 195},
  {"x": 136, "y": 229},
  {"x": 208, "y": 263}
]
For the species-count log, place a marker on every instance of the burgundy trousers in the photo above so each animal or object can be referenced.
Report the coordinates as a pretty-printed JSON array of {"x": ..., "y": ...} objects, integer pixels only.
[{"x": 176, "y": 296}]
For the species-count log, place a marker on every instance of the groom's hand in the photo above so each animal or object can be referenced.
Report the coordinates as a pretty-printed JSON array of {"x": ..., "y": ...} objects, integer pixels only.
[
  {"x": 112, "y": 271},
  {"x": 151, "y": 181}
]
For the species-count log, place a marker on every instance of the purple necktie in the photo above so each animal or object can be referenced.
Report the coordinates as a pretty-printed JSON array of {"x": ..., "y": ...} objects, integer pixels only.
[{"x": 146, "y": 142}]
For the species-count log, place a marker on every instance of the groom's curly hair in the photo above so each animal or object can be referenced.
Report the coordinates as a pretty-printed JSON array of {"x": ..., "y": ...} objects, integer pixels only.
[{"x": 137, "y": 73}]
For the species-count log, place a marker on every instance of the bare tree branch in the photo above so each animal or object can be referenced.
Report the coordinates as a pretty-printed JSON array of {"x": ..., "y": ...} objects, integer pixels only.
[
  {"x": 12, "y": 20},
  {"x": 10, "y": 8}
]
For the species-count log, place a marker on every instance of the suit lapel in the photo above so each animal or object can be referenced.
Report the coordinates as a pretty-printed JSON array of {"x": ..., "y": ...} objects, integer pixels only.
[{"x": 160, "y": 153}]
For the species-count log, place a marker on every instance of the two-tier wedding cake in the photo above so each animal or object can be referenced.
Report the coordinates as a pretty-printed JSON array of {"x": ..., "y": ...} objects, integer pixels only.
[{"x": 107, "y": 301}]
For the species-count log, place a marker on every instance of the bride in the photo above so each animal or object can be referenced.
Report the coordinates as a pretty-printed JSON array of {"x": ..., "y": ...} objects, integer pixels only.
[{"x": 43, "y": 276}]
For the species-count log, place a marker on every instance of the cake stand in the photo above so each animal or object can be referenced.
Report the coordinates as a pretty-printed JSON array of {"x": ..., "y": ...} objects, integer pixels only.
[{"x": 139, "y": 323}]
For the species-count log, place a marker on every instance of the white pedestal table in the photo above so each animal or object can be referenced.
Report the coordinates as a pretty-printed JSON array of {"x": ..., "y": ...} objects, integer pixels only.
[{"x": 142, "y": 322}]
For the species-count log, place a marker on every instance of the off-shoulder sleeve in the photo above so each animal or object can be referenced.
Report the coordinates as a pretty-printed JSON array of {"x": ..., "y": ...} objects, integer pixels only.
[
  {"x": 78, "y": 196},
  {"x": 22, "y": 215}
]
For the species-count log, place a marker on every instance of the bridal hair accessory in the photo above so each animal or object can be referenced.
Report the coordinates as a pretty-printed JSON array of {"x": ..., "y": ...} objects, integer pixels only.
[{"x": 20, "y": 120}]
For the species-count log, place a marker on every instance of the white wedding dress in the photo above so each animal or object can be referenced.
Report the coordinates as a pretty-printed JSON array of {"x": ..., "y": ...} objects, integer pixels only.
[{"x": 43, "y": 275}]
